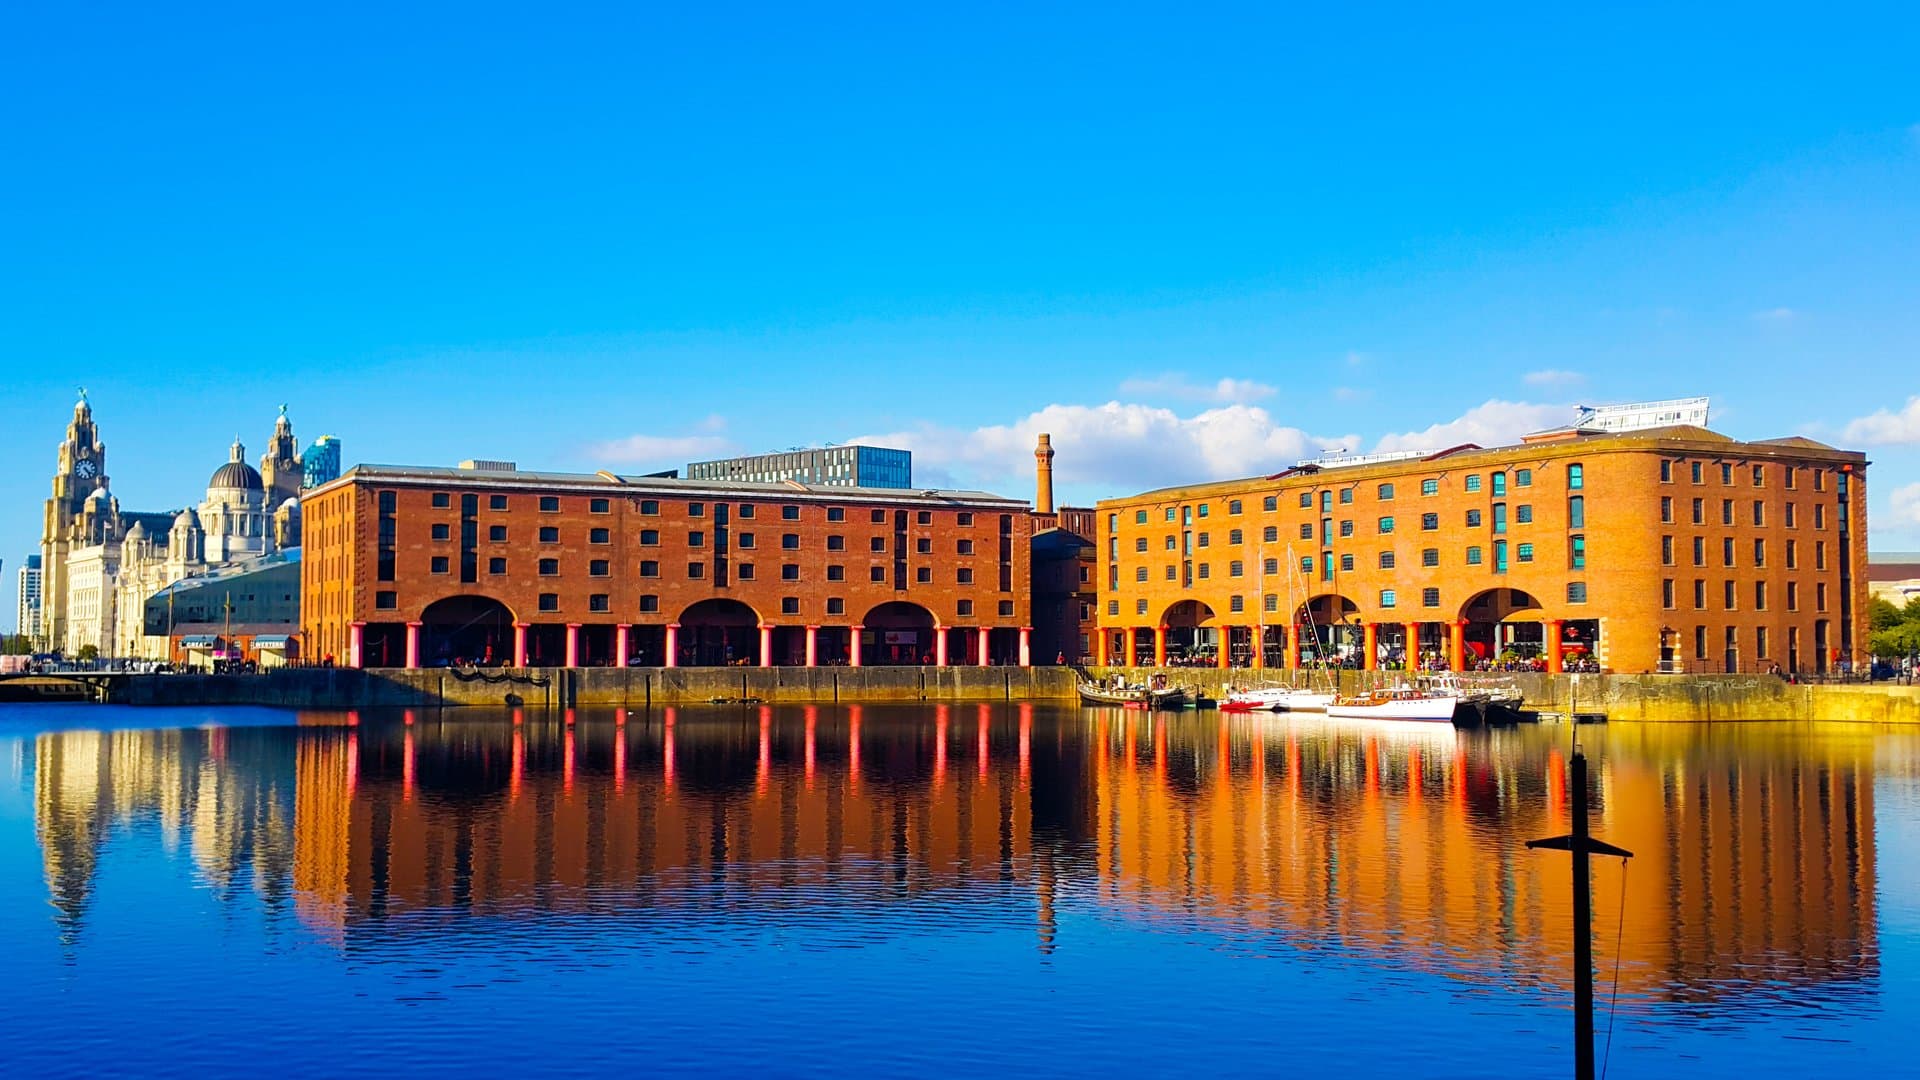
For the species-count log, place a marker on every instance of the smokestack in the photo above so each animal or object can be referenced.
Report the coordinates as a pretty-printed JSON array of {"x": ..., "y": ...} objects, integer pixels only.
[{"x": 1043, "y": 475}]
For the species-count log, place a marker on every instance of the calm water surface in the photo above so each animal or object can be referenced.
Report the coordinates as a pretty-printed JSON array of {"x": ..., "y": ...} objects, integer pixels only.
[{"x": 938, "y": 889}]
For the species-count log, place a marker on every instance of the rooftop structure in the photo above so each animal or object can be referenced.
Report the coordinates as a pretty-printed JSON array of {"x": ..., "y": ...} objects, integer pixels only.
[{"x": 831, "y": 466}]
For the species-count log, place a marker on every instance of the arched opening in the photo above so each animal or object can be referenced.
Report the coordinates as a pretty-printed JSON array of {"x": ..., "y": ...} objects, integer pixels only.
[
  {"x": 1330, "y": 630},
  {"x": 466, "y": 630},
  {"x": 898, "y": 632},
  {"x": 1192, "y": 639},
  {"x": 1503, "y": 627},
  {"x": 718, "y": 632}
]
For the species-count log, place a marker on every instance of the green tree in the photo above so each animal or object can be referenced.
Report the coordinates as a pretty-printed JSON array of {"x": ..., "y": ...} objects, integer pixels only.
[
  {"x": 15, "y": 645},
  {"x": 1884, "y": 615},
  {"x": 1902, "y": 639},
  {"x": 87, "y": 653}
]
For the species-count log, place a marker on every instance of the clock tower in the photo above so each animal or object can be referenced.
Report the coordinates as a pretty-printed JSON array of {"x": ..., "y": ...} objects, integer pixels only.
[{"x": 81, "y": 468}]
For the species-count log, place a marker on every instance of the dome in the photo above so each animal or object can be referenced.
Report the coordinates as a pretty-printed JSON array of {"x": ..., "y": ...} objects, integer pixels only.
[
  {"x": 236, "y": 473},
  {"x": 99, "y": 495},
  {"x": 186, "y": 521},
  {"x": 138, "y": 532}
]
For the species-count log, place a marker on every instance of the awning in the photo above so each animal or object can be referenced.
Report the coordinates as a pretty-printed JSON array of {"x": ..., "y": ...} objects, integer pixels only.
[
  {"x": 198, "y": 641},
  {"x": 272, "y": 641}
]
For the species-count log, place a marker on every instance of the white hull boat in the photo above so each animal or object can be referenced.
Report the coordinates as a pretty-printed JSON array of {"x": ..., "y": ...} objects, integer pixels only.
[
  {"x": 1276, "y": 699},
  {"x": 1397, "y": 703}
]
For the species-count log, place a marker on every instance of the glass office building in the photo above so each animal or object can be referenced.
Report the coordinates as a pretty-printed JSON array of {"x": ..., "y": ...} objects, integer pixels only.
[
  {"x": 321, "y": 463},
  {"x": 831, "y": 466}
]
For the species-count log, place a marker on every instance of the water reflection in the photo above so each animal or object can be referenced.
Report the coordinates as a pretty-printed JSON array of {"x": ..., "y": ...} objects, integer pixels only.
[{"x": 1401, "y": 845}]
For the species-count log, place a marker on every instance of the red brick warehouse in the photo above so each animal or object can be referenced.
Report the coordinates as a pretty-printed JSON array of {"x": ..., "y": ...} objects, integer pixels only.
[{"x": 414, "y": 566}]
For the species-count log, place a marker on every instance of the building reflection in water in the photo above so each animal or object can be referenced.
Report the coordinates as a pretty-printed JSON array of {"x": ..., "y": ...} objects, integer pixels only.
[{"x": 1401, "y": 843}]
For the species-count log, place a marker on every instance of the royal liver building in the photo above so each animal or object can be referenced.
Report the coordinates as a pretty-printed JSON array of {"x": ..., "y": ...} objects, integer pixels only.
[{"x": 99, "y": 563}]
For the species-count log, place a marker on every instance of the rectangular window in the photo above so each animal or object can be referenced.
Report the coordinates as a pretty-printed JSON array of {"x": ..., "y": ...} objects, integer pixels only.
[
  {"x": 1205, "y": 569},
  {"x": 1429, "y": 597},
  {"x": 496, "y": 502},
  {"x": 442, "y": 500},
  {"x": 1234, "y": 537},
  {"x": 1306, "y": 530},
  {"x": 1306, "y": 500},
  {"x": 1726, "y": 595},
  {"x": 1726, "y": 551},
  {"x": 836, "y": 572},
  {"x": 1523, "y": 553},
  {"x": 1699, "y": 551},
  {"x": 1429, "y": 487},
  {"x": 924, "y": 517},
  {"x": 549, "y": 534},
  {"x": 549, "y": 504},
  {"x": 1819, "y": 554},
  {"x": 649, "y": 568},
  {"x": 1699, "y": 643},
  {"x": 1577, "y": 512},
  {"x": 1793, "y": 596},
  {"x": 1473, "y": 482},
  {"x": 744, "y": 512},
  {"x": 496, "y": 565},
  {"x": 549, "y": 601},
  {"x": 839, "y": 543},
  {"x": 1759, "y": 596},
  {"x": 1726, "y": 473},
  {"x": 696, "y": 571},
  {"x": 1386, "y": 560},
  {"x": 695, "y": 509},
  {"x": 549, "y": 567},
  {"x": 1787, "y": 473},
  {"x": 923, "y": 574},
  {"x": 649, "y": 602},
  {"x": 1140, "y": 607},
  {"x": 1270, "y": 602},
  {"x": 744, "y": 541},
  {"x": 443, "y": 532},
  {"x": 791, "y": 513},
  {"x": 599, "y": 536},
  {"x": 1346, "y": 496},
  {"x": 497, "y": 533},
  {"x": 1236, "y": 603},
  {"x": 1666, "y": 551},
  {"x": 1306, "y": 564},
  {"x": 1140, "y": 573},
  {"x": 1576, "y": 477},
  {"x": 1726, "y": 511},
  {"x": 743, "y": 571},
  {"x": 1473, "y": 555},
  {"x": 1576, "y": 592},
  {"x": 1203, "y": 539},
  {"x": 598, "y": 602},
  {"x": 1473, "y": 519},
  {"x": 1699, "y": 594},
  {"x": 1384, "y": 493},
  {"x": 1006, "y": 608},
  {"x": 1577, "y": 552},
  {"x": 789, "y": 541},
  {"x": 1819, "y": 514},
  {"x": 1270, "y": 534},
  {"x": 597, "y": 568},
  {"x": 1760, "y": 641},
  {"x": 1791, "y": 523},
  {"x": 1233, "y": 506},
  {"x": 963, "y": 518},
  {"x": 1759, "y": 513},
  {"x": 789, "y": 605},
  {"x": 650, "y": 507},
  {"x": 964, "y": 575},
  {"x": 1666, "y": 509},
  {"x": 1203, "y": 509},
  {"x": 599, "y": 506},
  {"x": 442, "y": 564},
  {"x": 789, "y": 571},
  {"x": 1346, "y": 563},
  {"x": 879, "y": 573},
  {"x": 649, "y": 537},
  {"x": 1499, "y": 517},
  {"x": 1699, "y": 511},
  {"x": 1793, "y": 555},
  {"x": 877, "y": 544},
  {"x": 839, "y": 513},
  {"x": 1523, "y": 478},
  {"x": 1386, "y": 525},
  {"x": 1386, "y": 598},
  {"x": 1430, "y": 557},
  {"x": 1270, "y": 503},
  {"x": 1666, "y": 471},
  {"x": 1235, "y": 568},
  {"x": 1666, "y": 593},
  {"x": 1698, "y": 472},
  {"x": 1346, "y": 528},
  {"x": 1499, "y": 480},
  {"x": 1429, "y": 522}
]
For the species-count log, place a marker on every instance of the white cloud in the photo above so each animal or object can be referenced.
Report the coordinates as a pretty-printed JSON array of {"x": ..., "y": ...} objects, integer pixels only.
[
  {"x": 1489, "y": 424},
  {"x": 1553, "y": 377},
  {"x": 1777, "y": 316},
  {"x": 1111, "y": 449},
  {"x": 1351, "y": 393},
  {"x": 1886, "y": 426},
  {"x": 1179, "y": 387},
  {"x": 666, "y": 451},
  {"x": 1906, "y": 505}
]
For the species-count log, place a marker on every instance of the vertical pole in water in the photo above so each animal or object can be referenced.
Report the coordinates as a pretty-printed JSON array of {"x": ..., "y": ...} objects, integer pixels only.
[{"x": 1581, "y": 844}]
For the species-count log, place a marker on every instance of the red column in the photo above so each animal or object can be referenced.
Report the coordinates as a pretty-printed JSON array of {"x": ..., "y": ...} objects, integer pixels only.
[
  {"x": 1159, "y": 646},
  {"x": 1552, "y": 627},
  {"x": 766, "y": 644},
  {"x": 1260, "y": 647},
  {"x": 1413, "y": 645},
  {"x": 1101, "y": 646},
  {"x": 1457, "y": 643},
  {"x": 940, "y": 646},
  {"x": 813, "y": 646},
  {"x": 984, "y": 658},
  {"x": 519, "y": 644},
  {"x": 853, "y": 645},
  {"x": 1026, "y": 646},
  {"x": 1225, "y": 659},
  {"x": 1370, "y": 642},
  {"x": 620, "y": 645},
  {"x": 673, "y": 644},
  {"x": 356, "y": 644},
  {"x": 573, "y": 644},
  {"x": 1293, "y": 647},
  {"x": 413, "y": 645},
  {"x": 1133, "y": 647}
]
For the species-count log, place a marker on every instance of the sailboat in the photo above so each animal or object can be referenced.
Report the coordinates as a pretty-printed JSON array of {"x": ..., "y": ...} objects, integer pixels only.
[{"x": 1279, "y": 697}]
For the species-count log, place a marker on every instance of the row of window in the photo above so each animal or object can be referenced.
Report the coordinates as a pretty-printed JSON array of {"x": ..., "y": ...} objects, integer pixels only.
[
  {"x": 1729, "y": 547},
  {"x": 650, "y": 568},
  {"x": 1730, "y": 592},
  {"x": 650, "y": 604},
  {"x": 1389, "y": 598},
  {"x": 1759, "y": 513},
  {"x": 1731, "y": 640},
  {"x": 550, "y": 534},
  {"x": 1697, "y": 472},
  {"x": 1429, "y": 557},
  {"x": 550, "y": 504},
  {"x": 1497, "y": 483}
]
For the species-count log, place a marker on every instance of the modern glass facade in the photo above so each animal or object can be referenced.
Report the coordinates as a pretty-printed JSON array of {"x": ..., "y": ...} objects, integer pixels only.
[
  {"x": 321, "y": 462},
  {"x": 832, "y": 466}
]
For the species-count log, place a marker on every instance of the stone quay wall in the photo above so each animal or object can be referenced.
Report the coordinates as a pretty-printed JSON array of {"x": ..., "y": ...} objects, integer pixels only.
[{"x": 1645, "y": 698}]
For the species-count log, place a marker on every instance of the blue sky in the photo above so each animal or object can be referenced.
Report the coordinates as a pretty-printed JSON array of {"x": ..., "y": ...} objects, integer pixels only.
[{"x": 619, "y": 236}]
